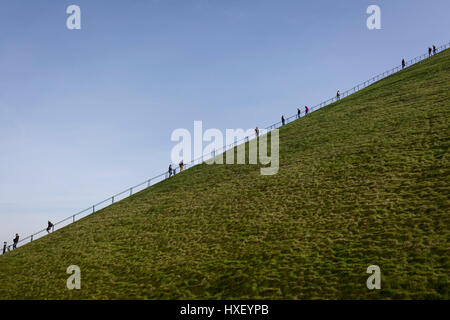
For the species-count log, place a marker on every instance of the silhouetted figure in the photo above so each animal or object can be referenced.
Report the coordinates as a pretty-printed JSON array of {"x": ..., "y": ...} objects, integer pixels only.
[
  {"x": 170, "y": 170},
  {"x": 181, "y": 164},
  {"x": 434, "y": 50},
  {"x": 49, "y": 227},
  {"x": 429, "y": 52},
  {"x": 257, "y": 131},
  {"x": 15, "y": 241},
  {"x": 306, "y": 110},
  {"x": 403, "y": 64},
  {"x": 282, "y": 120},
  {"x": 338, "y": 95},
  {"x": 4, "y": 247},
  {"x": 298, "y": 113}
]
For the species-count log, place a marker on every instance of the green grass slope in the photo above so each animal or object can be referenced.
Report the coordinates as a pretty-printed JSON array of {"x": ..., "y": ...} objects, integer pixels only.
[{"x": 363, "y": 181}]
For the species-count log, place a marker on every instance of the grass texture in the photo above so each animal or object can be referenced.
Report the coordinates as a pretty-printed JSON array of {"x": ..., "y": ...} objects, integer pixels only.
[{"x": 363, "y": 181}]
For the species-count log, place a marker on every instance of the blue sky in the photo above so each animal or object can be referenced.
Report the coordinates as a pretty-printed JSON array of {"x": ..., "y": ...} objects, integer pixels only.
[{"x": 87, "y": 113}]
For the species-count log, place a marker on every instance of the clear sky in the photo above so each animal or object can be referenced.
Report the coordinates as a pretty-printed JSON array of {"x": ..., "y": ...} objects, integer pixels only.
[{"x": 87, "y": 113}]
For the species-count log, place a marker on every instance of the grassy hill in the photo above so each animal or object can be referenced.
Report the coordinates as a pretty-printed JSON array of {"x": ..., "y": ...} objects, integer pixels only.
[{"x": 363, "y": 181}]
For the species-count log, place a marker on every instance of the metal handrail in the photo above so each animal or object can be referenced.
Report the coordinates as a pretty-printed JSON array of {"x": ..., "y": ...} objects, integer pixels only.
[{"x": 202, "y": 158}]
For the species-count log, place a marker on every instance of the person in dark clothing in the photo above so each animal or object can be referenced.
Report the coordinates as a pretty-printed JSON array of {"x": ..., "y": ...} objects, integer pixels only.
[
  {"x": 429, "y": 52},
  {"x": 15, "y": 241},
  {"x": 298, "y": 113},
  {"x": 338, "y": 95},
  {"x": 170, "y": 170},
  {"x": 4, "y": 247},
  {"x": 50, "y": 226},
  {"x": 434, "y": 50},
  {"x": 403, "y": 63},
  {"x": 282, "y": 120},
  {"x": 257, "y": 132},
  {"x": 306, "y": 110}
]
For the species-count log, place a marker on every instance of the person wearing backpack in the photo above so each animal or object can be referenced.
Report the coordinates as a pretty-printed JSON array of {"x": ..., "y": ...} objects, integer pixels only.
[{"x": 49, "y": 227}]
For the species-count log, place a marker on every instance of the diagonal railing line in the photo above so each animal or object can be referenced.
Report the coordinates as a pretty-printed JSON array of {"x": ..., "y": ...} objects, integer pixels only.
[{"x": 204, "y": 157}]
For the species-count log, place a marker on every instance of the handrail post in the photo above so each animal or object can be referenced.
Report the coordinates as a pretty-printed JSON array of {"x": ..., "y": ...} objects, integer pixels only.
[
  {"x": 31, "y": 238},
  {"x": 73, "y": 217},
  {"x": 112, "y": 199},
  {"x": 131, "y": 191}
]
